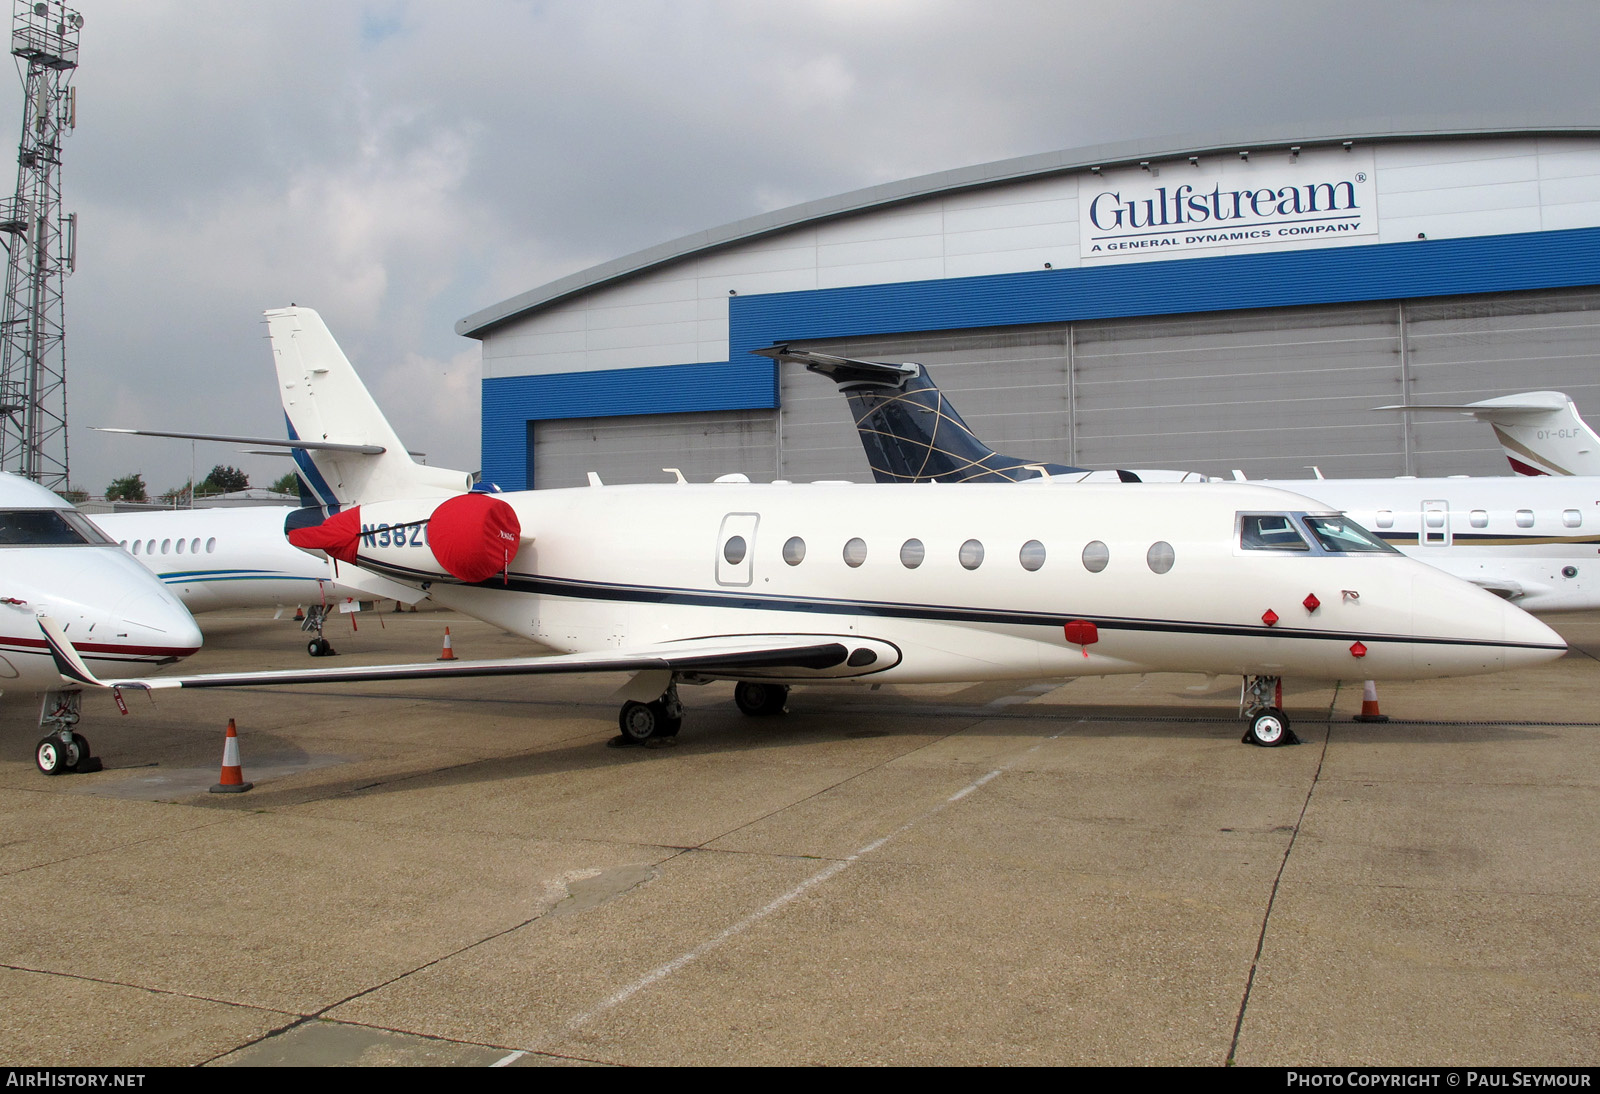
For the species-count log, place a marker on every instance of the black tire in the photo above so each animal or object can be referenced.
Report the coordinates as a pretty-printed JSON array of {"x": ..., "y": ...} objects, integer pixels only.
[
  {"x": 638, "y": 721},
  {"x": 50, "y": 755},
  {"x": 1269, "y": 728},
  {"x": 86, "y": 760},
  {"x": 760, "y": 700},
  {"x": 314, "y": 647}
]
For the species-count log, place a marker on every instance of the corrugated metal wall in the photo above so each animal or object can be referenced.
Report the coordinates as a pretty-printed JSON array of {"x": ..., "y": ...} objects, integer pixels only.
[{"x": 1271, "y": 392}]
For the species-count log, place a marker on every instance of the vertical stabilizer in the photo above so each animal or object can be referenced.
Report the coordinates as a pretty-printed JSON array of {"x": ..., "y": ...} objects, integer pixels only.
[
  {"x": 1540, "y": 432},
  {"x": 908, "y": 428},
  {"x": 325, "y": 401}
]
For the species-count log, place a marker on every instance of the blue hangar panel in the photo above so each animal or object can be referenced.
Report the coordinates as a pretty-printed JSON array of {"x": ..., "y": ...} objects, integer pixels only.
[{"x": 1390, "y": 271}]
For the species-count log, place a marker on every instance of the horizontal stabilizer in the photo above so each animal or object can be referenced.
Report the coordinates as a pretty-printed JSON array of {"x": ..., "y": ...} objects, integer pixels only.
[
  {"x": 1540, "y": 432},
  {"x": 845, "y": 371},
  {"x": 309, "y": 446}
]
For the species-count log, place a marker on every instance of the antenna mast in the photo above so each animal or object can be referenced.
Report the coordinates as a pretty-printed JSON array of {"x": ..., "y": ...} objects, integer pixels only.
[{"x": 41, "y": 246}]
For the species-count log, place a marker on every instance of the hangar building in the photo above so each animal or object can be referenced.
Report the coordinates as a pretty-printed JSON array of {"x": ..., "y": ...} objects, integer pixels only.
[{"x": 1200, "y": 303}]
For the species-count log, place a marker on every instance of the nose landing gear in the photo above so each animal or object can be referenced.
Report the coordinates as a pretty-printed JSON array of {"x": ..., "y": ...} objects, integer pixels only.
[
  {"x": 61, "y": 749},
  {"x": 1269, "y": 725}
]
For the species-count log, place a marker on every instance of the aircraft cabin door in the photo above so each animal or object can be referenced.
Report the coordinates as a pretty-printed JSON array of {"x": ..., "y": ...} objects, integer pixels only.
[
  {"x": 736, "y": 547},
  {"x": 1435, "y": 524}
]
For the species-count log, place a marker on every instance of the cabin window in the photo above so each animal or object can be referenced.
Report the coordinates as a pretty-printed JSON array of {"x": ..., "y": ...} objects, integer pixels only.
[
  {"x": 211, "y": 545},
  {"x": 1341, "y": 535},
  {"x": 1571, "y": 518},
  {"x": 912, "y": 553},
  {"x": 855, "y": 552},
  {"x": 1385, "y": 518},
  {"x": 136, "y": 546},
  {"x": 1270, "y": 532},
  {"x": 150, "y": 547},
  {"x": 1478, "y": 518},
  {"x": 733, "y": 550},
  {"x": 181, "y": 545},
  {"x": 166, "y": 545},
  {"x": 1095, "y": 556},
  {"x": 194, "y": 546},
  {"x": 1433, "y": 518},
  {"x": 794, "y": 550},
  {"x": 971, "y": 554},
  {"x": 123, "y": 544},
  {"x": 1524, "y": 518},
  {"x": 1160, "y": 556},
  {"x": 1032, "y": 555}
]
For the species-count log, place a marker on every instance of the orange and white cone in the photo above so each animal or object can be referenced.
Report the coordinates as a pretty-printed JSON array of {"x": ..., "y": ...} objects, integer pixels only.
[
  {"x": 449, "y": 653},
  {"x": 232, "y": 771},
  {"x": 1369, "y": 705},
  {"x": 299, "y": 615}
]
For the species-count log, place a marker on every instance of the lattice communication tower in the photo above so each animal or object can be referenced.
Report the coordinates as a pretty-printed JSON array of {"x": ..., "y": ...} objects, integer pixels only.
[{"x": 40, "y": 245}]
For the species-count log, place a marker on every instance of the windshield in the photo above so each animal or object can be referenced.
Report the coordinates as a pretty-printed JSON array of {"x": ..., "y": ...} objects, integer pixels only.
[
  {"x": 1270, "y": 532},
  {"x": 1344, "y": 535},
  {"x": 46, "y": 527}
]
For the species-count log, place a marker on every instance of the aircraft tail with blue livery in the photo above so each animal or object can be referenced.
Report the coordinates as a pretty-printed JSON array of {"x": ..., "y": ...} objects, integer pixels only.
[{"x": 912, "y": 433}]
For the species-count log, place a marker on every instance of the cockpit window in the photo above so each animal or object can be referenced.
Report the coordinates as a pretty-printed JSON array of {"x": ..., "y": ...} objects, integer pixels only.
[
  {"x": 1270, "y": 532},
  {"x": 46, "y": 527},
  {"x": 1343, "y": 535}
]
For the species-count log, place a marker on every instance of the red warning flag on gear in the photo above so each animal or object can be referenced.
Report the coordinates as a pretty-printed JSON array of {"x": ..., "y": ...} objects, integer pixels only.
[
  {"x": 474, "y": 536},
  {"x": 338, "y": 536}
]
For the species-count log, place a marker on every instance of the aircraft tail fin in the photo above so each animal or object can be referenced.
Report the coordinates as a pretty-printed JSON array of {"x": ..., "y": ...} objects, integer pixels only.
[
  {"x": 1540, "y": 432},
  {"x": 908, "y": 428},
  {"x": 354, "y": 455}
]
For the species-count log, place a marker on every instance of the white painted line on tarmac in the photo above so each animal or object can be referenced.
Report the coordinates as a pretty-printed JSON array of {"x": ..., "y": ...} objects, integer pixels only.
[
  {"x": 509, "y": 1059},
  {"x": 682, "y": 961}
]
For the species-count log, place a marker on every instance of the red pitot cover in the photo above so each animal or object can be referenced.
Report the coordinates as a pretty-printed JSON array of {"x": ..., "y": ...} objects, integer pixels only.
[
  {"x": 474, "y": 536},
  {"x": 338, "y": 536}
]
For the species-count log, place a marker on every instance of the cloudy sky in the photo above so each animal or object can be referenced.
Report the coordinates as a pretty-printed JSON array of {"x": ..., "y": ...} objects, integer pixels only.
[{"x": 399, "y": 165}]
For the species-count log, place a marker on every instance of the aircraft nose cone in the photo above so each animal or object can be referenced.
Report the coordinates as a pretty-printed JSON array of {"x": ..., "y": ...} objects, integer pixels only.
[
  {"x": 1533, "y": 642},
  {"x": 159, "y": 622}
]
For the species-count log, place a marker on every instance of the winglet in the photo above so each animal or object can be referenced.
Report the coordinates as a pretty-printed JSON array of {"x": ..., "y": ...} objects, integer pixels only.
[{"x": 68, "y": 663}]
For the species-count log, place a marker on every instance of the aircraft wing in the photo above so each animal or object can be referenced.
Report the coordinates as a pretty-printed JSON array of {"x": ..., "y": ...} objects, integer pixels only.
[{"x": 774, "y": 656}]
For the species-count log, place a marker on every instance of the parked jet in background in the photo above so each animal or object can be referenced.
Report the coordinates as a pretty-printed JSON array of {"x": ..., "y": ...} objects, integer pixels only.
[
  {"x": 1535, "y": 541},
  {"x": 1541, "y": 432},
  {"x": 118, "y": 617},
  {"x": 769, "y": 585},
  {"x": 238, "y": 558}
]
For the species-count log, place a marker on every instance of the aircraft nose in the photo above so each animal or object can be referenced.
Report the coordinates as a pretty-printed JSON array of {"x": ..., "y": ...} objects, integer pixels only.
[
  {"x": 1531, "y": 641},
  {"x": 159, "y": 623}
]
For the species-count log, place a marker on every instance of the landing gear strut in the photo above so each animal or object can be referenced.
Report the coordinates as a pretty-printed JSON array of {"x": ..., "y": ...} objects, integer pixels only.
[
  {"x": 641, "y": 721},
  {"x": 60, "y": 749},
  {"x": 318, "y": 646},
  {"x": 758, "y": 700},
  {"x": 1269, "y": 725}
]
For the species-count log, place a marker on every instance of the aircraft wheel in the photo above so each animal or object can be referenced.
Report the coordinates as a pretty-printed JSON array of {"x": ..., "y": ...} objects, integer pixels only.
[
  {"x": 638, "y": 721},
  {"x": 75, "y": 752},
  {"x": 757, "y": 700},
  {"x": 319, "y": 647},
  {"x": 50, "y": 755},
  {"x": 1269, "y": 728},
  {"x": 669, "y": 725}
]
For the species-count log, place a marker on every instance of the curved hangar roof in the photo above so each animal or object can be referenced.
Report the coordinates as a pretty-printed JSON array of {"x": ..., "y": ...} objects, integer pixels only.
[{"x": 1000, "y": 172}]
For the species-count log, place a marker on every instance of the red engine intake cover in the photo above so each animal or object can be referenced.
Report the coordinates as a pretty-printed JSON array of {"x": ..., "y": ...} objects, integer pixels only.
[
  {"x": 1080, "y": 632},
  {"x": 474, "y": 536},
  {"x": 338, "y": 536}
]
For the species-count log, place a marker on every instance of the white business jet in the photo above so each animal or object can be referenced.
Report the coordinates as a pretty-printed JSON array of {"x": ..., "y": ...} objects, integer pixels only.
[
  {"x": 117, "y": 616},
  {"x": 1535, "y": 541},
  {"x": 1540, "y": 432},
  {"x": 771, "y": 585},
  {"x": 215, "y": 559}
]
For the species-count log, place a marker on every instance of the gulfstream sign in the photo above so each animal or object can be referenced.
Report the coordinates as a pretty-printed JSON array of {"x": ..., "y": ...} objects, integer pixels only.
[{"x": 1134, "y": 212}]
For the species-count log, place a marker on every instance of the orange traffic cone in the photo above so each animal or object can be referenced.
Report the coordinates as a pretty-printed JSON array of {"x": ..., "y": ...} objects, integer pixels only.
[
  {"x": 299, "y": 615},
  {"x": 1369, "y": 705},
  {"x": 449, "y": 653},
  {"x": 232, "y": 772}
]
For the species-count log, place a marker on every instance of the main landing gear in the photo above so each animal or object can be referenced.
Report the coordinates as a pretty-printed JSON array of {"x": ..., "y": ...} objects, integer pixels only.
[
  {"x": 61, "y": 749},
  {"x": 640, "y": 722},
  {"x": 1269, "y": 725},
  {"x": 759, "y": 700},
  {"x": 318, "y": 646}
]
